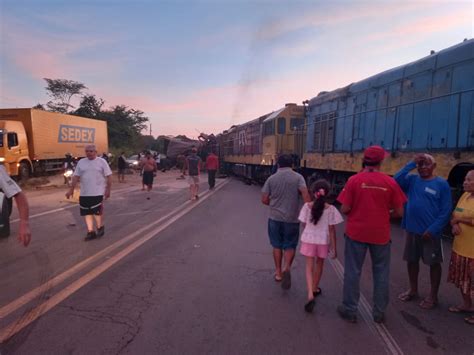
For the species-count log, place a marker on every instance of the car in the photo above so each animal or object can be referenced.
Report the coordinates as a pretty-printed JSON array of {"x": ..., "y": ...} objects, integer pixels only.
[{"x": 133, "y": 162}]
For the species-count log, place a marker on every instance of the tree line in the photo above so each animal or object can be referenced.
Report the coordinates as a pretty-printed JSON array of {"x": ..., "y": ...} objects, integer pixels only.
[{"x": 124, "y": 124}]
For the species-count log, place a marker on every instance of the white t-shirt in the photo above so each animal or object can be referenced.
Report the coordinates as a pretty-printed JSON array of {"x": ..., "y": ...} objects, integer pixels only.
[
  {"x": 7, "y": 185},
  {"x": 93, "y": 175},
  {"x": 319, "y": 233}
]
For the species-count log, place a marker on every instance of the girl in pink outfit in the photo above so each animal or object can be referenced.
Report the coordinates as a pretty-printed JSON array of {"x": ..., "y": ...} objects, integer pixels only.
[{"x": 318, "y": 239}]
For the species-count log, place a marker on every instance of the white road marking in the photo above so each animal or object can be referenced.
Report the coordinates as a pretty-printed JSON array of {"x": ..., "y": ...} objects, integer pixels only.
[
  {"x": 117, "y": 193},
  {"x": 38, "y": 311},
  {"x": 391, "y": 345}
]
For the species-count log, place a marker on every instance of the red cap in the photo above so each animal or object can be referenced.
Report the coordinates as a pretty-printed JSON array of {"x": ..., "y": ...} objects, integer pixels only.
[{"x": 374, "y": 154}]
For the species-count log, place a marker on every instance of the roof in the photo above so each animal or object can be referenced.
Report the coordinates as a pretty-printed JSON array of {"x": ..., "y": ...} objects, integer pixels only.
[{"x": 274, "y": 114}]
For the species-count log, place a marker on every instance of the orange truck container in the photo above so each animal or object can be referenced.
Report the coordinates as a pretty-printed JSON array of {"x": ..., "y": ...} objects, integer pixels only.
[{"x": 36, "y": 141}]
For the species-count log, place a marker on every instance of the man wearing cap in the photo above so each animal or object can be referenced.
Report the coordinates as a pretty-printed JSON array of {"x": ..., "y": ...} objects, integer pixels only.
[
  {"x": 426, "y": 214},
  {"x": 368, "y": 199}
]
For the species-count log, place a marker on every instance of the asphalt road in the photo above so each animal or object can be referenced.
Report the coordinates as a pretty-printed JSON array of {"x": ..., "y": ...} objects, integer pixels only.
[{"x": 173, "y": 276}]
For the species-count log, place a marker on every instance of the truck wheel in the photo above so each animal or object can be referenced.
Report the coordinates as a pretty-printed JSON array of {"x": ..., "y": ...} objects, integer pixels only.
[
  {"x": 5, "y": 219},
  {"x": 24, "y": 171}
]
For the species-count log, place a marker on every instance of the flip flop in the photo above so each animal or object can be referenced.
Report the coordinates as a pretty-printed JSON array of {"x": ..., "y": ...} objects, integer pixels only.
[
  {"x": 456, "y": 309},
  {"x": 317, "y": 292},
  {"x": 407, "y": 296},
  {"x": 309, "y": 306},
  {"x": 469, "y": 320},
  {"x": 427, "y": 304}
]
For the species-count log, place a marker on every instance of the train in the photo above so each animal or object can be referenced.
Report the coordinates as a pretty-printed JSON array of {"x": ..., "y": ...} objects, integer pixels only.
[{"x": 423, "y": 106}]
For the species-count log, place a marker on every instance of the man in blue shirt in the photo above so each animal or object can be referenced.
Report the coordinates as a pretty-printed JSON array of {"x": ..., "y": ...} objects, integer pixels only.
[{"x": 426, "y": 214}]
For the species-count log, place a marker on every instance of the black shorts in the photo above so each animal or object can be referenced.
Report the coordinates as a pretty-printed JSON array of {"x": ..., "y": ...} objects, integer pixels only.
[
  {"x": 148, "y": 178},
  {"x": 91, "y": 205},
  {"x": 430, "y": 251}
]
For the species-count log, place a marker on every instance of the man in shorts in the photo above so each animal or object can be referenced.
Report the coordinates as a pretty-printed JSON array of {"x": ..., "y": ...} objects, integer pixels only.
[
  {"x": 95, "y": 177},
  {"x": 281, "y": 192},
  {"x": 369, "y": 199},
  {"x": 11, "y": 189},
  {"x": 193, "y": 166},
  {"x": 427, "y": 212},
  {"x": 149, "y": 167}
]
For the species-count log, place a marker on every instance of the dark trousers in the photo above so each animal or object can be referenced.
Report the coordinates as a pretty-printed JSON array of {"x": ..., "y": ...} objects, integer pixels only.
[
  {"x": 211, "y": 178},
  {"x": 354, "y": 255}
]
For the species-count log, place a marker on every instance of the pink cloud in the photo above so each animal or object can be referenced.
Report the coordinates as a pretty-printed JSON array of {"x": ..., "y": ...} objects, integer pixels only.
[{"x": 41, "y": 54}]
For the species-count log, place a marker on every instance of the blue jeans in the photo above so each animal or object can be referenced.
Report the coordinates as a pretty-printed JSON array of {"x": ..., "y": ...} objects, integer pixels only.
[{"x": 354, "y": 256}]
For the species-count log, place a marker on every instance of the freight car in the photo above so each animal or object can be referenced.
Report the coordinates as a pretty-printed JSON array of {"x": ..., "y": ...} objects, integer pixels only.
[{"x": 424, "y": 106}]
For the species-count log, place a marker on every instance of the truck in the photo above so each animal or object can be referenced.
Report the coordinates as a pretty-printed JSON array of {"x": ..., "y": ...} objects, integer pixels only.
[{"x": 34, "y": 142}]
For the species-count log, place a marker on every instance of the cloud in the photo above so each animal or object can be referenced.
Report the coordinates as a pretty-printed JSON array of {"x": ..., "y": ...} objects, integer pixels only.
[{"x": 39, "y": 53}]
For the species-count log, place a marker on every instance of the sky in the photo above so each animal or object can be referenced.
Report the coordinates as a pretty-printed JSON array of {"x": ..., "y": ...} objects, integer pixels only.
[{"x": 202, "y": 66}]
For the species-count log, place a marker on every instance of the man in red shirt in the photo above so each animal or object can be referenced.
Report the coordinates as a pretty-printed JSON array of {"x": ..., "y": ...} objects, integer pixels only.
[
  {"x": 212, "y": 165},
  {"x": 368, "y": 199}
]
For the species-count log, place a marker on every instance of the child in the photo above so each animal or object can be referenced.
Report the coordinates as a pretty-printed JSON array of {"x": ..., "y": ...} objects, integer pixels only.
[{"x": 318, "y": 238}]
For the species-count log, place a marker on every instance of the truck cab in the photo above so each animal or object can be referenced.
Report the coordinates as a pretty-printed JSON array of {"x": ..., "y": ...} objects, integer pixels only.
[{"x": 14, "y": 154}]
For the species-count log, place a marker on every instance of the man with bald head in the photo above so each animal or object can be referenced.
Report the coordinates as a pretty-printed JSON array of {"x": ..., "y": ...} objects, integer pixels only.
[
  {"x": 427, "y": 212},
  {"x": 95, "y": 177}
]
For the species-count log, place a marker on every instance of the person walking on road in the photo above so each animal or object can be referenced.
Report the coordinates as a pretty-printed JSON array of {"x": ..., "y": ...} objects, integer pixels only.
[
  {"x": 95, "y": 177},
  {"x": 149, "y": 167},
  {"x": 367, "y": 199},
  {"x": 461, "y": 266},
  {"x": 11, "y": 190},
  {"x": 281, "y": 192},
  {"x": 212, "y": 165},
  {"x": 122, "y": 166},
  {"x": 427, "y": 212},
  {"x": 193, "y": 167},
  {"x": 318, "y": 238}
]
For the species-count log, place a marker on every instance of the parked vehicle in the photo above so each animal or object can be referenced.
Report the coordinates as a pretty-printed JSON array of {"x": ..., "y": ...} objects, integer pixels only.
[
  {"x": 133, "y": 162},
  {"x": 35, "y": 141}
]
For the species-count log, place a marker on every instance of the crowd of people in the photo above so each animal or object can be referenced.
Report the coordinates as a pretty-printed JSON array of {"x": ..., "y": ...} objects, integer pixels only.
[{"x": 370, "y": 199}]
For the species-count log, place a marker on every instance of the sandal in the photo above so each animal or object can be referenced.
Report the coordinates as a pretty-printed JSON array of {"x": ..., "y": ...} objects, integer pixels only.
[
  {"x": 407, "y": 296},
  {"x": 459, "y": 309},
  {"x": 309, "y": 306},
  {"x": 317, "y": 292},
  {"x": 277, "y": 278},
  {"x": 428, "y": 304},
  {"x": 469, "y": 320}
]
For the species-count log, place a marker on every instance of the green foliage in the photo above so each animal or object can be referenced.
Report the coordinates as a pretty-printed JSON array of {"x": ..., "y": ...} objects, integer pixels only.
[
  {"x": 124, "y": 124},
  {"x": 61, "y": 91},
  {"x": 90, "y": 107}
]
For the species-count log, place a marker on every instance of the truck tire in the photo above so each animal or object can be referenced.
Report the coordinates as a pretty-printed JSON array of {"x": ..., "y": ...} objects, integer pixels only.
[
  {"x": 25, "y": 171},
  {"x": 4, "y": 217}
]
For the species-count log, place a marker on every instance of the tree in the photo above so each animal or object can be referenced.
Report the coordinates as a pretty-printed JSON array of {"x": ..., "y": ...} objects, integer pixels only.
[
  {"x": 90, "y": 107},
  {"x": 124, "y": 125},
  {"x": 61, "y": 91},
  {"x": 39, "y": 107}
]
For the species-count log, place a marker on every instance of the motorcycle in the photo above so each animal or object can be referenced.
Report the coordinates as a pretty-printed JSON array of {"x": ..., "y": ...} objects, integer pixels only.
[{"x": 68, "y": 177}]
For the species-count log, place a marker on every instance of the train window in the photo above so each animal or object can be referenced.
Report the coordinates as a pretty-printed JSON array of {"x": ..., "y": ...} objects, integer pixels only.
[
  {"x": 269, "y": 128},
  {"x": 281, "y": 125},
  {"x": 296, "y": 123},
  {"x": 463, "y": 76},
  {"x": 12, "y": 140}
]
